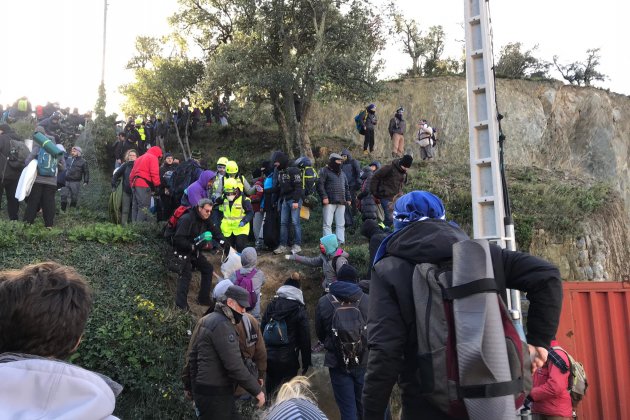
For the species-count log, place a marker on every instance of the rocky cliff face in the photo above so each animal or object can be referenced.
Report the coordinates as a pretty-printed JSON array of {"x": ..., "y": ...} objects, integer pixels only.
[{"x": 585, "y": 131}]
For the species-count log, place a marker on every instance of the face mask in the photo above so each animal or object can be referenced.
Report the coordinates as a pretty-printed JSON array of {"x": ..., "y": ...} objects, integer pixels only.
[
  {"x": 231, "y": 197},
  {"x": 237, "y": 316}
]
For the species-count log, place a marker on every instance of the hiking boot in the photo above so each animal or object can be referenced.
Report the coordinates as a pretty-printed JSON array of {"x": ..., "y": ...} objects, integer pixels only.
[
  {"x": 64, "y": 206},
  {"x": 281, "y": 250},
  {"x": 365, "y": 153},
  {"x": 296, "y": 249}
]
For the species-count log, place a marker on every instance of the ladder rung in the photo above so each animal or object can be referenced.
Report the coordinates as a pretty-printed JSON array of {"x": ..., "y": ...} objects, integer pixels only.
[
  {"x": 475, "y": 20},
  {"x": 483, "y": 162},
  {"x": 477, "y": 54},
  {"x": 482, "y": 124},
  {"x": 488, "y": 199},
  {"x": 479, "y": 89}
]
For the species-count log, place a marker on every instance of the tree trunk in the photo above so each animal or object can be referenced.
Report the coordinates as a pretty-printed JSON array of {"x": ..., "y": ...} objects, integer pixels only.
[
  {"x": 278, "y": 115},
  {"x": 293, "y": 127}
]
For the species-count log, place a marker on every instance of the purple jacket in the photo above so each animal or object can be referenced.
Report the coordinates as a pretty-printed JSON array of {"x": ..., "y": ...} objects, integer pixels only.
[{"x": 199, "y": 189}]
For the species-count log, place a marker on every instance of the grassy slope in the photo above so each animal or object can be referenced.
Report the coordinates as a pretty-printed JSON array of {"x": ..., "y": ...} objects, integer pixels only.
[{"x": 135, "y": 336}]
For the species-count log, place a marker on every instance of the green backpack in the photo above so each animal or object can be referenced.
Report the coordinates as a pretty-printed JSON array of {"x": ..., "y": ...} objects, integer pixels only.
[{"x": 578, "y": 383}]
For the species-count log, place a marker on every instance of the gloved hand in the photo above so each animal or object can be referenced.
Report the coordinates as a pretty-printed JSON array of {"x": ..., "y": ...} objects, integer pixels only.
[
  {"x": 218, "y": 201},
  {"x": 243, "y": 223}
]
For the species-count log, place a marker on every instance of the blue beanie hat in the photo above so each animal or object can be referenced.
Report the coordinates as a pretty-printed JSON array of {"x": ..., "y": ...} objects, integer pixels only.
[
  {"x": 330, "y": 243},
  {"x": 417, "y": 205}
]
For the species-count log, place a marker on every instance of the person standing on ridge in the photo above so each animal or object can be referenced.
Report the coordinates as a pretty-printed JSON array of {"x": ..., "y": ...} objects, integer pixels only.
[
  {"x": 370, "y": 126},
  {"x": 397, "y": 128}
]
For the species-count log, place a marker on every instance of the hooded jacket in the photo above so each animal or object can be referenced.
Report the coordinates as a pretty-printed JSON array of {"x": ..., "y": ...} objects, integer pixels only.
[
  {"x": 288, "y": 304},
  {"x": 550, "y": 394},
  {"x": 8, "y": 171},
  {"x": 325, "y": 262},
  {"x": 368, "y": 205},
  {"x": 146, "y": 170},
  {"x": 333, "y": 186},
  {"x": 388, "y": 181},
  {"x": 392, "y": 340},
  {"x": 199, "y": 189},
  {"x": 397, "y": 125},
  {"x": 344, "y": 292},
  {"x": 36, "y": 387},
  {"x": 352, "y": 170},
  {"x": 248, "y": 261}
]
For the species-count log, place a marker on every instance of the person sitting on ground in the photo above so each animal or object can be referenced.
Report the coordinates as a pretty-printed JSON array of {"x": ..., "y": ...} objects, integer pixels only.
[
  {"x": 215, "y": 362},
  {"x": 295, "y": 401},
  {"x": 254, "y": 274},
  {"x": 123, "y": 172},
  {"x": 346, "y": 367},
  {"x": 77, "y": 170},
  {"x": 288, "y": 308},
  {"x": 235, "y": 213},
  {"x": 188, "y": 241},
  {"x": 43, "y": 312},
  {"x": 331, "y": 258},
  {"x": 388, "y": 182},
  {"x": 201, "y": 188}
]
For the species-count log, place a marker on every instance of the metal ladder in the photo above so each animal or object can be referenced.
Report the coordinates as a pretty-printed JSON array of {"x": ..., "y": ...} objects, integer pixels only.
[{"x": 491, "y": 214}]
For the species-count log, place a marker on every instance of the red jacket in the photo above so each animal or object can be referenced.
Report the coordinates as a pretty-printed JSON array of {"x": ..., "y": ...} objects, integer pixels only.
[
  {"x": 550, "y": 393},
  {"x": 256, "y": 198},
  {"x": 146, "y": 169}
]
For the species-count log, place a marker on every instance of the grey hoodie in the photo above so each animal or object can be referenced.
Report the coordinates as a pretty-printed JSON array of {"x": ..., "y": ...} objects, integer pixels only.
[{"x": 248, "y": 260}]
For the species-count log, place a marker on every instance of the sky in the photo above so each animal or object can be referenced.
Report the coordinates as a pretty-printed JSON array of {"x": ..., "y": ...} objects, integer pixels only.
[{"x": 52, "y": 51}]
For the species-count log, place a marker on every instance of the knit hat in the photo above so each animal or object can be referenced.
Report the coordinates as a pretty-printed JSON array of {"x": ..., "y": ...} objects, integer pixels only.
[
  {"x": 249, "y": 257},
  {"x": 330, "y": 243},
  {"x": 417, "y": 205},
  {"x": 195, "y": 154},
  {"x": 347, "y": 273},
  {"x": 78, "y": 149},
  {"x": 371, "y": 107},
  {"x": 295, "y": 408},
  {"x": 219, "y": 290},
  {"x": 294, "y": 280},
  {"x": 406, "y": 161},
  {"x": 168, "y": 154},
  {"x": 376, "y": 163},
  {"x": 239, "y": 294}
]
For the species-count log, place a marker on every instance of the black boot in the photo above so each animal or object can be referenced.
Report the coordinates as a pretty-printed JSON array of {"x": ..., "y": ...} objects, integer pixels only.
[{"x": 63, "y": 206}]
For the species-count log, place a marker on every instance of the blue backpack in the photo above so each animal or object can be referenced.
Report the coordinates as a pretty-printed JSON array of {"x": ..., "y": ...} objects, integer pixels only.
[
  {"x": 46, "y": 163},
  {"x": 275, "y": 333}
]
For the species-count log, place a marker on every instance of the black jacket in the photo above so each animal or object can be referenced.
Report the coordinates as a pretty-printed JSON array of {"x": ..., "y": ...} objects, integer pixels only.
[
  {"x": 119, "y": 153},
  {"x": 290, "y": 183},
  {"x": 345, "y": 292},
  {"x": 9, "y": 170},
  {"x": 123, "y": 172},
  {"x": 352, "y": 169},
  {"x": 189, "y": 226},
  {"x": 77, "y": 169},
  {"x": 333, "y": 186},
  {"x": 296, "y": 317},
  {"x": 392, "y": 337},
  {"x": 368, "y": 204}
]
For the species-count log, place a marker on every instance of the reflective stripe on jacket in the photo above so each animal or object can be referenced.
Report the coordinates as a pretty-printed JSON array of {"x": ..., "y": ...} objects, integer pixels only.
[{"x": 232, "y": 216}]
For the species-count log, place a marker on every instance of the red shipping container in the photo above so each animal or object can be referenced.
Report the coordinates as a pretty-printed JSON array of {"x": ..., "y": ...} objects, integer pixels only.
[{"x": 595, "y": 329}]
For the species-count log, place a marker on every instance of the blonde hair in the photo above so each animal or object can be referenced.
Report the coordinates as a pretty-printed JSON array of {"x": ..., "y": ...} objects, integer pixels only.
[
  {"x": 298, "y": 387},
  {"x": 129, "y": 152}
]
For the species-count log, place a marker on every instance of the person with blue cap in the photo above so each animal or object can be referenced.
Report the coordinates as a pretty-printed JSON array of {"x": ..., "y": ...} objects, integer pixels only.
[{"x": 422, "y": 235}]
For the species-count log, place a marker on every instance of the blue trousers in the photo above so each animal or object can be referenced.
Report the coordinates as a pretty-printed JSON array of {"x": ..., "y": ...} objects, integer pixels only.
[{"x": 348, "y": 387}]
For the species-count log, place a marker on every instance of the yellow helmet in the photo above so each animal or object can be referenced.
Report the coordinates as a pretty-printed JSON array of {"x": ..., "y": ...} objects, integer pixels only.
[
  {"x": 231, "y": 167},
  {"x": 138, "y": 121},
  {"x": 229, "y": 185},
  {"x": 222, "y": 161}
]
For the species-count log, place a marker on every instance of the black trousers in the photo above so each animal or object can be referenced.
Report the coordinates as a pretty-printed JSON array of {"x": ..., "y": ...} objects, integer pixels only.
[
  {"x": 42, "y": 195},
  {"x": 238, "y": 242},
  {"x": 9, "y": 186},
  {"x": 368, "y": 141},
  {"x": 183, "y": 283},
  {"x": 277, "y": 374},
  {"x": 216, "y": 407}
]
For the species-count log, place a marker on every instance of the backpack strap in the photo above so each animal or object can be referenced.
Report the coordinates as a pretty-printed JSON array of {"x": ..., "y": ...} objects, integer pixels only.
[
  {"x": 498, "y": 389},
  {"x": 474, "y": 287}
]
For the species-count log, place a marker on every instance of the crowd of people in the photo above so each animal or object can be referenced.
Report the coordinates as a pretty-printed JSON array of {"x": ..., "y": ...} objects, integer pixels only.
[{"x": 369, "y": 328}]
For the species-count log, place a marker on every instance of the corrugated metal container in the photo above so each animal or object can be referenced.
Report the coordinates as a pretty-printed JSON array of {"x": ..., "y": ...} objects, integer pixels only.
[{"x": 595, "y": 329}]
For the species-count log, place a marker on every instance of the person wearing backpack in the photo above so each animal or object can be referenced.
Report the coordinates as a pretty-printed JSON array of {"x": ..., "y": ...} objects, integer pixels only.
[
  {"x": 423, "y": 235},
  {"x": 286, "y": 331},
  {"x": 550, "y": 397},
  {"x": 45, "y": 186},
  {"x": 10, "y": 168},
  {"x": 250, "y": 278},
  {"x": 76, "y": 171},
  {"x": 188, "y": 241},
  {"x": 201, "y": 188},
  {"x": 341, "y": 324},
  {"x": 370, "y": 125},
  {"x": 185, "y": 174}
]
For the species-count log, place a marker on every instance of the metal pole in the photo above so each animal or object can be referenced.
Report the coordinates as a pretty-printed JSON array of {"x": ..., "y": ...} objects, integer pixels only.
[{"x": 104, "y": 40}]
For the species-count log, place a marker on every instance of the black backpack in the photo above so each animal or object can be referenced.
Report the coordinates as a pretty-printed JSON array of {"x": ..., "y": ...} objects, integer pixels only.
[
  {"x": 181, "y": 178},
  {"x": 349, "y": 331}
]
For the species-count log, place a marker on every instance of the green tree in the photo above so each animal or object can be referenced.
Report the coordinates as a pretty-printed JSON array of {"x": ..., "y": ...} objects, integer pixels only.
[
  {"x": 147, "y": 48},
  {"x": 514, "y": 63},
  {"x": 409, "y": 34},
  {"x": 101, "y": 102},
  {"x": 582, "y": 72},
  {"x": 291, "y": 52},
  {"x": 433, "y": 49}
]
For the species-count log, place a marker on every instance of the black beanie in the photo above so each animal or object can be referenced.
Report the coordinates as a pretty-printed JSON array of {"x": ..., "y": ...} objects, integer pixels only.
[
  {"x": 406, "y": 161},
  {"x": 347, "y": 273}
]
